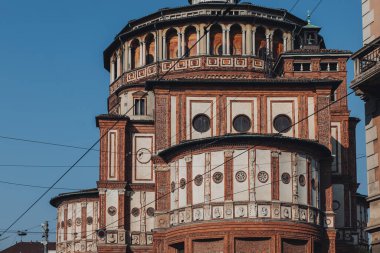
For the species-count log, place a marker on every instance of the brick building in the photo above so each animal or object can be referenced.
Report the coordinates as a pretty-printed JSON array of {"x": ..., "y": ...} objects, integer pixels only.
[
  {"x": 29, "y": 247},
  {"x": 367, "y": 85},
  {"x": 231, "y": 144}
]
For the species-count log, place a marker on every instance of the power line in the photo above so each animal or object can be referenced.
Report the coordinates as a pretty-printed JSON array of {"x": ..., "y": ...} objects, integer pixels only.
[
  {"x": 37, "y": 186},
  {"x": 46, "y": 166},
  {"x": 274, "y": 135},
  {"x": 106, "y": 132},
  {"x": 294, "y": 5},
  {"x": 316, "y": 7}
]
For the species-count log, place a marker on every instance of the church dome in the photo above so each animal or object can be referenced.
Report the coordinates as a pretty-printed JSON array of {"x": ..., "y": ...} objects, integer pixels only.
[{"x": 212, "y": 1}]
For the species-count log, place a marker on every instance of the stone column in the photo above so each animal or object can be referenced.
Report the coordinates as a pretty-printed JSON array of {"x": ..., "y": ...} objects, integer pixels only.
[
  {"x": 224, "y": 42},
  {"x": 244, "y": 42},
  {"x": 179, "y": 45},
  {"x": 208, "y": 42},
  {"x": 112, "y": 70},
  {"x": 143, "y": 53},
  {"x": 156, "y": 49},
  {"x": 285, "y": 42},
  {"x": 183, "y": 44},
  {"x": 164, "y": 55},
  {"x": 228, "y": 42},
  {"x": 129, "y": 64},
  {"x": 126, "y": 57},
  {"x": 198, "y": 42},
  {"x": 254, "y": 41},
  {"x": 269, "y": 37},
  {"x": 248, "y": 31}
]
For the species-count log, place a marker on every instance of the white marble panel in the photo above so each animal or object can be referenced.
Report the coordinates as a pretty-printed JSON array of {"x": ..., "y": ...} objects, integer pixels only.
[
  {"x": 198, "y": 169},
  {"x": 263, "y": 163},
  {"x": 285, "y": 160},
  {"x": 240, "y": 189},
  {"x": 217, "y": 189}
]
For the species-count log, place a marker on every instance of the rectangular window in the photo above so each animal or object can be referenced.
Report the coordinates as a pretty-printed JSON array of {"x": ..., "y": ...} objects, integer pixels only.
[
  {"x": 139, "y": 107},
  {"x": 329, "y": 66},
  {"x": 301, "y": 67}
]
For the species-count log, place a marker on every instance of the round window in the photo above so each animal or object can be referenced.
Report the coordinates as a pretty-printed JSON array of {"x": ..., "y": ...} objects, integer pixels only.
[
  {"x": 282, "y": 123},
  {"x": 242, "y": 123},
  {"x": 201, "y": 123}
]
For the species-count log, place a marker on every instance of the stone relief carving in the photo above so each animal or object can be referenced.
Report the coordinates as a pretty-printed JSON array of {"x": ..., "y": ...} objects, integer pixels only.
[
  {"x": 217, "y": 177},
  {"x": 263, "y": 176},
  {"x": 241, "y": 176},
  {"x": 198, "y": 180}
]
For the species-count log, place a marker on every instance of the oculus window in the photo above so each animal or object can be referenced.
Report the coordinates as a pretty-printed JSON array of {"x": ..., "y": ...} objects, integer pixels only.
[
  {"x": 201, "y": 123},
  {"x": 282, "y": 123},
  {"x": 242, "y": 123}
]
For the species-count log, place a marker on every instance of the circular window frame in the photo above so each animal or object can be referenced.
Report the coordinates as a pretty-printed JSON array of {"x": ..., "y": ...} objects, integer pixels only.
[
  {"x": 198, "y": 129},
  {"x": 287, "y": 128},
  {"x": 245, "y": 117}
]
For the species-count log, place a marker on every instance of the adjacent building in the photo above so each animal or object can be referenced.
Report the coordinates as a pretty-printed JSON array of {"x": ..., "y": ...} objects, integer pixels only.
[
  {"x": 29, "y": 247},
  {"x": 227, "y": 130},
  {"x": 367, "y": 85}
]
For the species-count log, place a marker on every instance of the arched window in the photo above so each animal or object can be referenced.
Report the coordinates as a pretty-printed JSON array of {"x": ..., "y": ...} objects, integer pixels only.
[
  {"x": 261, "y": 42},
  {"x": 190, "y": 41},
  {"x": 236, "y": 40},
  {"x": 135, "y": 54},
  {"x": 171, "y": 44},
  {"x": 216, "y": 40},
  {"x": 150, "y": 48},
  {"x": 278, "y": 43}
]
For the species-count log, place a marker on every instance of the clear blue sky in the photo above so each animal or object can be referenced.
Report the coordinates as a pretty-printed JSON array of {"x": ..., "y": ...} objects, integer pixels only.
[{"x": 52, "y": 85}]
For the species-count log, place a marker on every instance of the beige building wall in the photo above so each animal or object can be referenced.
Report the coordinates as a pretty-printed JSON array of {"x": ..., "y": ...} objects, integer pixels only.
[{"x": 371, "y": 20}]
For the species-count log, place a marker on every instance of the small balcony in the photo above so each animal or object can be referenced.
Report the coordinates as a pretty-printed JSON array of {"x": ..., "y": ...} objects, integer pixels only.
[{"x": 367, "y": 70}]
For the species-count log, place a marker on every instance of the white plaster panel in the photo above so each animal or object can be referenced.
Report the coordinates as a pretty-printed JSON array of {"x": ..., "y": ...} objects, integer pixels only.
[
  {"x": 150, "y": 202},
  {"x": 143, "y": 148},
  {"x": 70, "y": 231},
  {"x": 61, "y": 218},
  {"x": 173, "y": 120},
  {"x": 302, "y": 170},
  {"x": 198, "y": 169},
  {"x": 338, "y": 191},
  {"x": 173, "y": 178},
  {"x": 112, "y": 155},
  {"x": 242, "y": 105},
  {"x": 336, "y": 147},
  {"x": 263, "y": 163},
  {"x": 90, "y": 213},
  {"x": 78, "y": 214},
  {"x": 311, "y": 119},
  {"x": 282, "y": 105},
  {"x": 135, "y": 203},
  {"x": 240, "y": 189},
  {"x": 112, "y": 199},
  {"x": 217, "y": 190},
  {"x": 200, "y": 105},
  {"x": 285, "y": 160},
  {"x": 315, "y": 191},
  {"x": 182, "y": 192}
]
